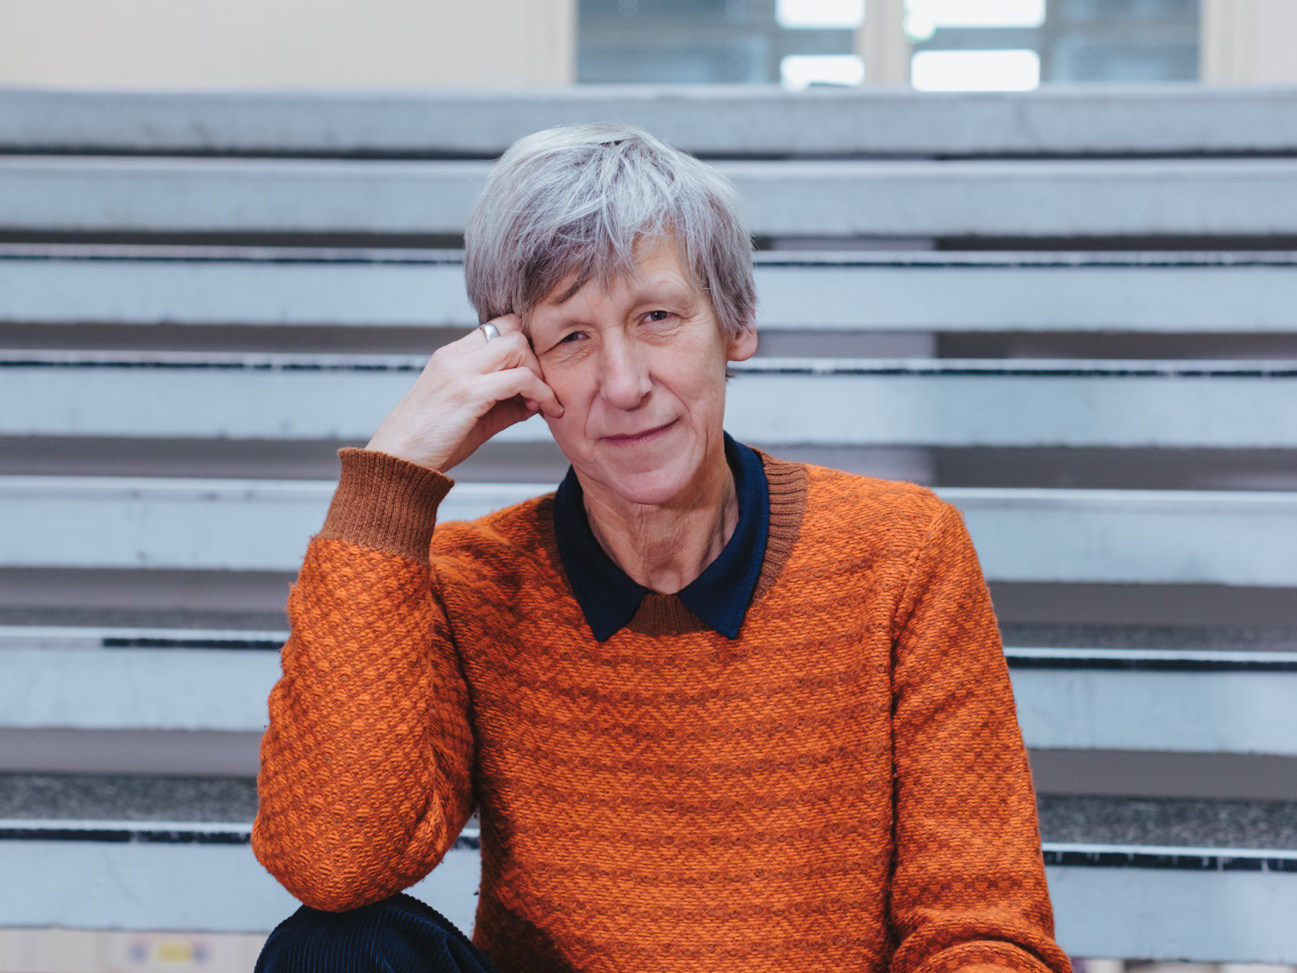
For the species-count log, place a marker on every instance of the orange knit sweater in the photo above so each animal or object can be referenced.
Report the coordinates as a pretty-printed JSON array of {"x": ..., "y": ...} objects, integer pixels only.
[{"x": 843, "y": 787}]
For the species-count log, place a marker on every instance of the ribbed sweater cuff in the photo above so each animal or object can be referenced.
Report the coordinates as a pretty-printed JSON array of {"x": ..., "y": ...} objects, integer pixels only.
[{"x": 385, "y": 503}]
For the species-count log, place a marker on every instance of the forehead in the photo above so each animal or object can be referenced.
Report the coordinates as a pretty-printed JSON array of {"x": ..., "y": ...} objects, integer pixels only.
[{"x": 657, "y": 265}]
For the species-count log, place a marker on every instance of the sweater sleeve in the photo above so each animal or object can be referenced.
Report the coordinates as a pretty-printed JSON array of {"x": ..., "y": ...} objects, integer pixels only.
[
  {"x": 366, "y": 763},
  {"x": 969, "y": 884}
]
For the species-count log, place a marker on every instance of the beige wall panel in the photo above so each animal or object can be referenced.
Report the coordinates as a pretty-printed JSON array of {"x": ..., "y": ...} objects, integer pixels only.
[
  {"x": 881, "y": 41},
  {"x": 1249, "y": 41},
  {"x": 287, "y": 43}
]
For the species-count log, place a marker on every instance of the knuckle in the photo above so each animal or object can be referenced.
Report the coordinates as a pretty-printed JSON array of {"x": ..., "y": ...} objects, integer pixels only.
[{"x": 514, "y": 340}]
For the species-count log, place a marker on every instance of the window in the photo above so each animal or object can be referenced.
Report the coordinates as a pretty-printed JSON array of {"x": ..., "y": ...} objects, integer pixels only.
[
  {"x": 957, "y": 44},
  {"x": 988, "y": 45},
  {"x": 797, "y": 42}
]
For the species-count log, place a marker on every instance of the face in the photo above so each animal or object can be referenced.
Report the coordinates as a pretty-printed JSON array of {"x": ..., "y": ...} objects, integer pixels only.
[{"x": 639, "y": 367}]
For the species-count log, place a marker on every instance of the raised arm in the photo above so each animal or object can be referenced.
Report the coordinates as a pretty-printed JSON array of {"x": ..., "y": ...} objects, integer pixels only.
[
  {"x": 366, "y": 764},
  {"x": 969, "y": 886},
  {"x": 470, "y": 390}
]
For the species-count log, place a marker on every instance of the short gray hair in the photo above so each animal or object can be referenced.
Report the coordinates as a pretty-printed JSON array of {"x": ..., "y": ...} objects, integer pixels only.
[{"x": 567, "y": 205}]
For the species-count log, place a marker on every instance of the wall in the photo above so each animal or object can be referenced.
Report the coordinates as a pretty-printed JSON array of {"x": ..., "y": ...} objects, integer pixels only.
[
  {"x": 1249, "y": 41},
  {"x": 286, "y": 43},
  {"x": 431, "y": 43}
]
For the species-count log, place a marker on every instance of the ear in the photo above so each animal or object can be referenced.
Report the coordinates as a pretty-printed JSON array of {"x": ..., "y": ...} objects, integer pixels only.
[{"x": 742, "y": 346}]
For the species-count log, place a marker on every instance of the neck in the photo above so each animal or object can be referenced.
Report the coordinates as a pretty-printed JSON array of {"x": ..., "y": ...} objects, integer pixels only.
[{"x": 664, "y": 548}]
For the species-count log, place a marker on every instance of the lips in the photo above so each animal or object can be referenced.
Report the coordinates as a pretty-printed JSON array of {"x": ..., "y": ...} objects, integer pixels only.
[{"x": 642, "y": 436}]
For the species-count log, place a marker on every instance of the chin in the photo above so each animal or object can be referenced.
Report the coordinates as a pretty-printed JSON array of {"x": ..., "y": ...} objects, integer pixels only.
[
  {"x": 655, "y": 488},
  {"x": 650, "y": 490}
]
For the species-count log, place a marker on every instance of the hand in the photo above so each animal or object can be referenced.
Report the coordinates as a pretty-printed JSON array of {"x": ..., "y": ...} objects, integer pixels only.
[{"x": 469, "y": 391}]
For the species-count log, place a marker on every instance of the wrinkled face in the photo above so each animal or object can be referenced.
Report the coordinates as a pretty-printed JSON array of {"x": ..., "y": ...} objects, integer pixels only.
[{"x": 639, "y": 367}]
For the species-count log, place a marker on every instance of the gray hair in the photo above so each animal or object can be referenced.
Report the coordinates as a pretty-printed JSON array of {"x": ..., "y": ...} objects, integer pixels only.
[{"x": 567, "y": 205}]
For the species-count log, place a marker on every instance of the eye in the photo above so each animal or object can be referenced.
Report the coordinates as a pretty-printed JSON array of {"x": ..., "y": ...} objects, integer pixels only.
[
  {"x": 658, "y": 316},
  {"x": 570, "y": 337}
]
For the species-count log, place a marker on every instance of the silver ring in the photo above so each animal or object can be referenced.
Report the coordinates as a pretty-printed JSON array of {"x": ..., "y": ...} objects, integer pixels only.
[{"x": 489, "y": 331}]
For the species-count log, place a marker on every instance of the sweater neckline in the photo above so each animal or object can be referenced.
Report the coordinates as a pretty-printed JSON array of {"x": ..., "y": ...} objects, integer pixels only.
[{"x": 663, "y": 614}]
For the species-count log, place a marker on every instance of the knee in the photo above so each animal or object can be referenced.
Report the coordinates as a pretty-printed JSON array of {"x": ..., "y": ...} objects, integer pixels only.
[
  {"x": 393, "y": 936},
  {"x": 311, "y": 941}
]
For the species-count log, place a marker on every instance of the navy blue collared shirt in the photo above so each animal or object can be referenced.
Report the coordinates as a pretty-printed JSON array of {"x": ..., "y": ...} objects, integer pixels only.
[{"x": 719, "y": 596}]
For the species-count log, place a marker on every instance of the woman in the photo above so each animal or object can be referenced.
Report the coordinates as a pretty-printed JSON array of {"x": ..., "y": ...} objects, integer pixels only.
[{"x": 716, "y": 710}]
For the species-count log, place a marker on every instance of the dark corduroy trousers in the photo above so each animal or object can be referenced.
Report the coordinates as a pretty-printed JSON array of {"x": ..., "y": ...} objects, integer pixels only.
[{"x": 397, "y": 935}]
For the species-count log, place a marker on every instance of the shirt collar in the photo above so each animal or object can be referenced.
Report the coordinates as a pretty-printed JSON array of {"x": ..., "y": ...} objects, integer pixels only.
[{"x": 719, "y": 596}]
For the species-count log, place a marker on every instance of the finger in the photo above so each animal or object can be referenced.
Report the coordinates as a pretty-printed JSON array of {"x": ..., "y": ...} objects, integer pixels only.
[
  {"x": 475, "y": 340},
  {"x": 511, "y": 349},
  {"x": 492, "y": 330},
  {"x": 524, "y": 383},
  {"x": 507, "y": 323}
]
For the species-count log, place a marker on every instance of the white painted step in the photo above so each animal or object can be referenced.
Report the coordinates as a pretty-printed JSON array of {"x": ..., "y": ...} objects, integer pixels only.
[
  {"x": 923, "y": 292},
  {"x": 714, "y": 120},
  {"x": 772, "y": 402},
  {"x": 1072, "y": 536},
  {"x": 816, "y": 199}
]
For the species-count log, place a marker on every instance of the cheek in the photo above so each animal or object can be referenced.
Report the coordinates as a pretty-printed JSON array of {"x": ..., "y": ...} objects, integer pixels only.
[
  {"x": 575, "y": 389},
  {"x": 556, "y": 426},
  {"x": 564, "y": 431},
  {"x": 706, "y": 384},
  {"x": 562, "y": 378}
]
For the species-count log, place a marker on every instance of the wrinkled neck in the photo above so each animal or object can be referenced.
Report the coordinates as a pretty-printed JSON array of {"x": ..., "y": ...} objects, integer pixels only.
[{"x": 665, "y": 547}]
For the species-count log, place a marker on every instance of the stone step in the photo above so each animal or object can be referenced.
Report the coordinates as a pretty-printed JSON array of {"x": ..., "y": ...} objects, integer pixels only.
[
  {"x": 1263, "y": 826},
  {"x": 710, "y": 120},
  {"x": 327, "y": 202},
  {"x": 1153, "y": 874},
  {"x": 1184, "y": 700},
  {"x": 772, "y": 401},
  {"x": 1155, "y": 292},
  {"x": 1176, "y": 537},
  {"x": 1085, "y": 468}
]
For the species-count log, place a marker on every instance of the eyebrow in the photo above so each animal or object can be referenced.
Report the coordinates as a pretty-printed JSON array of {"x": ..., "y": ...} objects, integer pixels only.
[
  {"x": 675, "y": 288},
  {"x": 644, "y": 291}
]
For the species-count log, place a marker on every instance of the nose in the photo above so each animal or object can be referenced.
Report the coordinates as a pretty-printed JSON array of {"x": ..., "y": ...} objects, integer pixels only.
[{"x": 624, "y": 381}]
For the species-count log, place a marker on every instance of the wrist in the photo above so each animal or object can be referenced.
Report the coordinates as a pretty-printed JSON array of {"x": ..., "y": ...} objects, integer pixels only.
[{"x": 385, "y": 502}]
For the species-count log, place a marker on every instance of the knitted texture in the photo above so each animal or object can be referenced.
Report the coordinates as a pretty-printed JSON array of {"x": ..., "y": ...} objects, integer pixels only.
[{"x": 844, "y": 787}]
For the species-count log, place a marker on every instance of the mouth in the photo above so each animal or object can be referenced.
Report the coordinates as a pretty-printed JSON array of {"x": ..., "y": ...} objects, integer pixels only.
[{"x": 637, "y": 438}]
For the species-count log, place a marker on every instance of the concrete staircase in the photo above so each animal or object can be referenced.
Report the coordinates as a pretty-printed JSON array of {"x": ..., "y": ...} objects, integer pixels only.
[{"x": 1070, "y": 312}]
